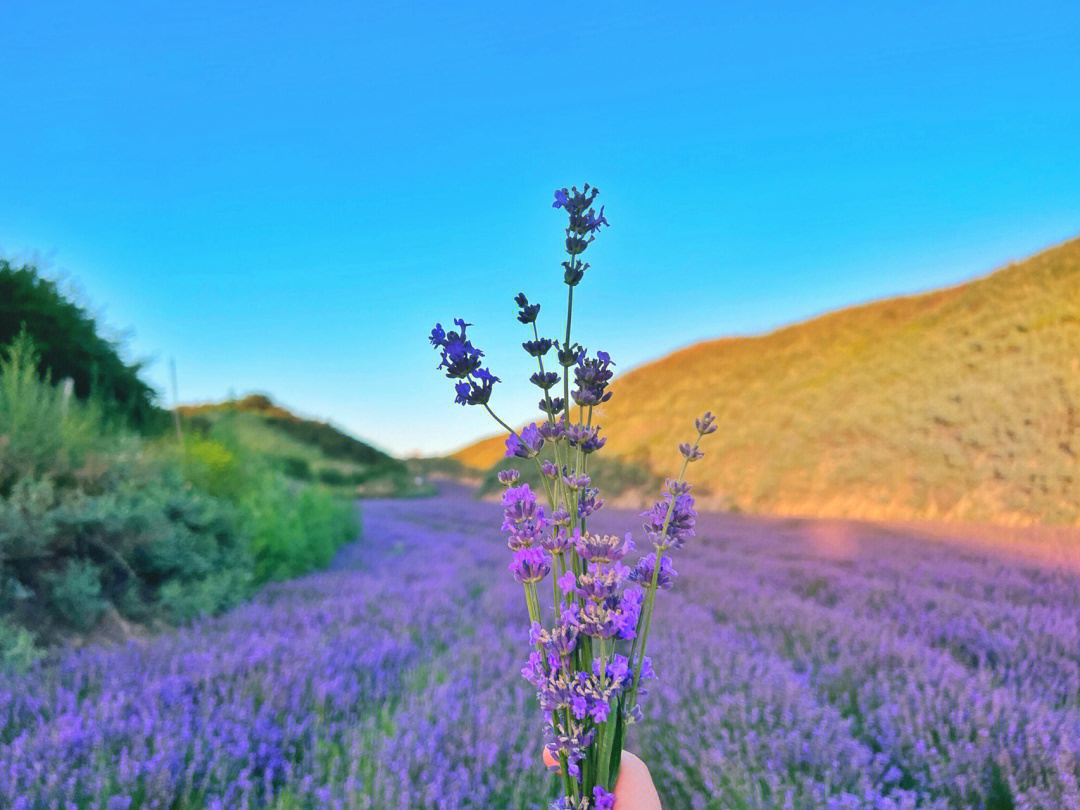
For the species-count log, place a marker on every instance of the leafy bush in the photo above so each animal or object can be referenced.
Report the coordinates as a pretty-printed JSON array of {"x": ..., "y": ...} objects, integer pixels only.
[
  {"x": 295, "y": 467},
  {"x": 41, "y": 429},
  {"x": 293, "y": 531},
  {"x": 17, "y": 649},
  {"x": 213, "y": 594},
  {"x": 333, "y": 477},
  {"x": 76, "y": 593},
  {"x": 91, "y": 515},
  {"x": 288, "y": 529},
  {"x": 214, "y": 468}
]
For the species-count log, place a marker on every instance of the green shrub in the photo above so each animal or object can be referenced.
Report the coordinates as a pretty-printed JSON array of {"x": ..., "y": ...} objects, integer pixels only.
[
  {"x": 76, "y": 593},
  {"x": 92, "y": 515},
  {"x": 214, "y": 468},
  {"x": 137, "y": 537},
  {"x": 333, "y": 477},
  {"x": 295, "y": 467},
  {"x": 44, "y": 432},
  {"x": 18, "y": 651},
  {"x": 291, "y": 532},
  {"x": 208, "y": 596}
]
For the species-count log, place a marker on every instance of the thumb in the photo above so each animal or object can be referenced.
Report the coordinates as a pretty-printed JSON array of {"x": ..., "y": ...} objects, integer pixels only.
[{"x": 634, "y": 790}]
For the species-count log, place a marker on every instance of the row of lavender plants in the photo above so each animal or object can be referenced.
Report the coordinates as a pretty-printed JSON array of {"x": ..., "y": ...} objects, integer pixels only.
[{"x": 897, "y": 674}]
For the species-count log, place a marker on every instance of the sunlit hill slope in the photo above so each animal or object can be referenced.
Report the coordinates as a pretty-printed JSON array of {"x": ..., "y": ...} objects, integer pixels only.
[{"x": 959, "y": 404}]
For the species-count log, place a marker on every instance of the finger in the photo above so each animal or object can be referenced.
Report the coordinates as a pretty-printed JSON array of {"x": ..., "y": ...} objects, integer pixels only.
[
  {"x": 635, "y": 789},
  {"x": 549, "y": 760}
]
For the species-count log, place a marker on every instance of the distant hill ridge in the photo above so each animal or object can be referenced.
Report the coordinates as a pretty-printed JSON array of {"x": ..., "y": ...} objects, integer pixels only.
[
  {"x": 957, "y": 404},
  {"x": 333, "y": 442}
]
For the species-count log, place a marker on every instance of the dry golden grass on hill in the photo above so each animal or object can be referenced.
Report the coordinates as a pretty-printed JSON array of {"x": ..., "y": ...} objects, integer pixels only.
[{"x": 959, "y": 404}]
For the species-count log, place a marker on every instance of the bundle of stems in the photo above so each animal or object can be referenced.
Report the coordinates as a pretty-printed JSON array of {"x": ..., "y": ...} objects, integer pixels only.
[{"x": 590, "y": 628}]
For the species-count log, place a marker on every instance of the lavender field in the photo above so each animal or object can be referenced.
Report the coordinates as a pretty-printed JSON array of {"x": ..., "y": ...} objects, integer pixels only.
[{"x": 802, "y": 665}]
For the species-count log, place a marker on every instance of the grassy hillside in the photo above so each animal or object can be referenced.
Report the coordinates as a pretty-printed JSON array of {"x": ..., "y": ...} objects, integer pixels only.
[
  {"x": 304, "y": 449},
  {"x": 960, "y": 404}
]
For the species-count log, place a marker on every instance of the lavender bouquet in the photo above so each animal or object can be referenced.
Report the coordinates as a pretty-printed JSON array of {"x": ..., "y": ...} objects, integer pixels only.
[{"x": 588, "y": 660}]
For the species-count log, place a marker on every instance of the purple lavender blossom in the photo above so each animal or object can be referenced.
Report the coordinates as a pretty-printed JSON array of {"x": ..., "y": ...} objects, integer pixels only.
[
  {"x": 526, "y": 444},
  {"x": 527, "y": 312},
  {"x": 643, "y": 572},
  {"x": 628, "y": 612},
  {"x": 560, "y": 517},
  {"x": 589, "y": 502},
  {"x": 691, "y": 451},
  {"x": 602, "y": 549},
  {"x": 553, "y": 431},
  {"x": 680, "y": 524},
  {"x": 557, "y": 542},
  {"x": 586, "y": 691},
  {"x": 576, "y": 481},
  {"x": 568, "y": 354},
  {"x": 601, "y": 583},
  {"x": 771, "y": 641},
  {"x": 462, "y": 362},
  {"x": 568, "y": 582},
  {"x": 585, "y": 437},
  {"x": 523, "y": 518},
  {"x": 530, "y": 565},
  {"x": 706, "y": 424},
  {"x": 560, "y": 642},
  {"x": 551, "y": 406},
  {"x": 602, "y": 800},
  {"x": 592, "y": 376},
  {"x": 459, "y": 357},
  {"x": 544, "y": 381},
  {"x": 538, "y": 347},
  {"x": 477, "y": 389}
]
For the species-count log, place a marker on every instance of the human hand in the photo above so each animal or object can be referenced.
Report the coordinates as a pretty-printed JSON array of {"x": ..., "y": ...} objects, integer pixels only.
[{"x": 634, "y": 789}]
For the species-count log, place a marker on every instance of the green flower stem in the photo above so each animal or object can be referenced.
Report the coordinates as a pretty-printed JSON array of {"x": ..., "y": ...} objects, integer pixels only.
[
  {"x": 532, "y": 603},
  {"x": 500, "y": 421},
  {"x": 607, "y": 739},
  {"x": 645, "y": 620},
  {"x": 550, "y": 409},
  {"x": 603, "y": 756},
  {"x": 566, "y": 346}
]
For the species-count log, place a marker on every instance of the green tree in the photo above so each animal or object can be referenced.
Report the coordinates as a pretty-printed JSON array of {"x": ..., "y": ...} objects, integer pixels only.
[{"x": 69, "y": 345}]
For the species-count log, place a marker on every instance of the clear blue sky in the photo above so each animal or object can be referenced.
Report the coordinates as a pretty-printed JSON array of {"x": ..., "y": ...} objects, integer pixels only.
[{"x": 285, "y": 196}]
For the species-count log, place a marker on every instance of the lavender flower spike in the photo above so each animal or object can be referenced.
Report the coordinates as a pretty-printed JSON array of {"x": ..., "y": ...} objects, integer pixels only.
[
  {"x": 526, "y": 444},
  {"x": 691, "y": 452},
  {"x": 530, "y": 565}
]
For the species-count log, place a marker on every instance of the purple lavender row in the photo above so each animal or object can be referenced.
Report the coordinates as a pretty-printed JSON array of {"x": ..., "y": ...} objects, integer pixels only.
[{"x": 796, "y": 675}]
